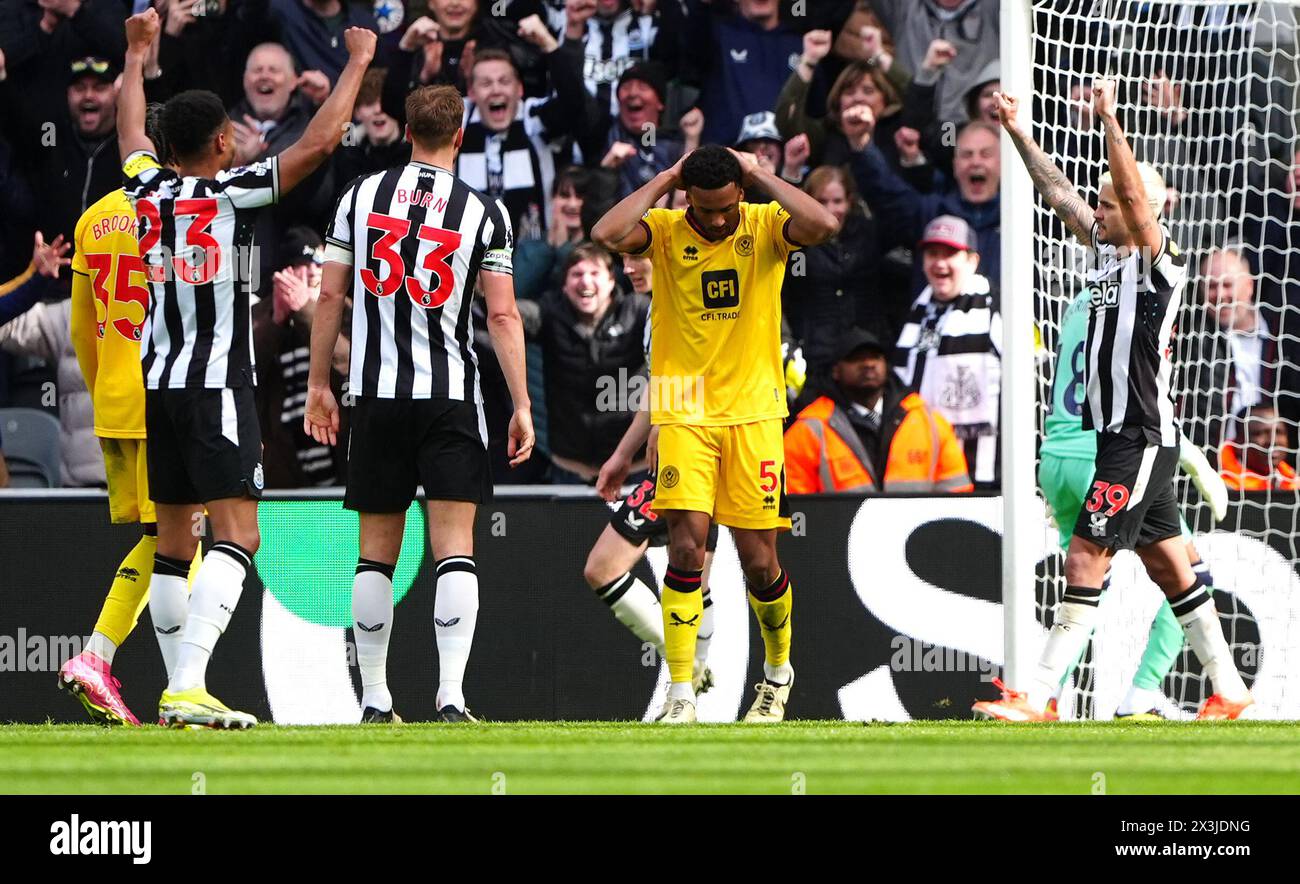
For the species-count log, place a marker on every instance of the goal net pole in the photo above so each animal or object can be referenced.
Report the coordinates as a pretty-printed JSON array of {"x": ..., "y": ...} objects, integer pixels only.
[{"x": 1022, "y": 528}]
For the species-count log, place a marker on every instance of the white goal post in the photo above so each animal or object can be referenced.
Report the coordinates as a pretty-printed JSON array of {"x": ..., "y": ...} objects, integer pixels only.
[{"x": 1210, "y": 95}]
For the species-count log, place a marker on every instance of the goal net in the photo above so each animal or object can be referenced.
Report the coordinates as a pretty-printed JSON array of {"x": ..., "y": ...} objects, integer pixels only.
[{"x": 1208, "y": 95}]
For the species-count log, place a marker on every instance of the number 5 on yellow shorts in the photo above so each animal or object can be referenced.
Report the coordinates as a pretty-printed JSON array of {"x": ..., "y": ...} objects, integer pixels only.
[{"x": 736, "y": 473}]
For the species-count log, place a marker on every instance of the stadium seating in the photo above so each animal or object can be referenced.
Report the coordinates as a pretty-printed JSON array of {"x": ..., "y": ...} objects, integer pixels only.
[{"x": 31, "y": 447}]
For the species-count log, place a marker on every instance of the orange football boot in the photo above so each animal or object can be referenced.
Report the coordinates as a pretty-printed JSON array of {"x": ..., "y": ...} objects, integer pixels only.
[
  {"x": 1014, "y": 706},
  {"x": 1216, "y": 708}
]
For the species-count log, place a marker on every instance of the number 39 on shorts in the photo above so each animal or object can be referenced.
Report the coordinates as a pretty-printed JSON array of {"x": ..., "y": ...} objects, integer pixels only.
[{"x": 1108, "y": 496}]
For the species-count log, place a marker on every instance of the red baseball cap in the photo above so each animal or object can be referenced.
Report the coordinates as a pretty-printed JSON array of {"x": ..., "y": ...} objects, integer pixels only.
[{"x": 949, "y": 230}]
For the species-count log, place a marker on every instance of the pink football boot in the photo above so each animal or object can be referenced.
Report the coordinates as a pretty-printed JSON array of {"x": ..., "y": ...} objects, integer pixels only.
[{"x": 88, "y": 678}]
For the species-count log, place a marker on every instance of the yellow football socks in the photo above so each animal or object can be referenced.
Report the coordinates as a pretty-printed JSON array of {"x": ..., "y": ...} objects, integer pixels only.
[
  {"x": 772, "y": 608},
  {"x": 683, "y": 608},
  {"x": 129, "y": 592}
]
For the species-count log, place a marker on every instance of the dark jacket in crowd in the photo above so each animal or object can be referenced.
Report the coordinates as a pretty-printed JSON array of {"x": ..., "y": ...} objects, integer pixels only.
[
  {"x": 17, "y": 210},
  {"x": 68, "y": 177},
  {"x": 489, "y": 31},
  {"x": 497, "y": 404},
  {"x": 578, "y": 365},
  {"x": 649, "y": 160},
  {"x": 835, "y": 286},
  {"x": 739, "y": 67},
  {"x": 316, "y": 43},
  {"x": 364, "y": 158},
  {"x": 278, "y": 351},
  {"x": 907, "y": 211},
  {"x": 65, "y": 171},
  {"x": 827, "y": 144},
  {"x": 37, "y": 63},
  {"x": 210, "y": 53},
  {"x": 1207, "y": 383},
  {"x": 309, "y": 203}
]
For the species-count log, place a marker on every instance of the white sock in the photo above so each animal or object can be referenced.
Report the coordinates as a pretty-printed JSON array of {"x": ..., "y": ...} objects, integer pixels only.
[
  {"x": 681, "y": 690},
  {"x": 636, "y": 606},
  {"x": 216, "y": 593},
  {"x": 455, "y": 611},
  {"x": 705, "y": 635},
  {"x": 372, "y": 624},
  {"x": 1140, "y": 700},
  {"x": 778, "y": 674},
  {"x": 169, "y": 604},
  {"x": 1199, "y": 618},
  {"x": 102, "y": 647},
  {"x": 1075, "y": 617}
]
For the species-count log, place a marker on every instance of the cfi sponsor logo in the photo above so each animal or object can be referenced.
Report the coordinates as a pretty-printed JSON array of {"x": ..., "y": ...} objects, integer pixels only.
[{"x": 78, "y": 837}]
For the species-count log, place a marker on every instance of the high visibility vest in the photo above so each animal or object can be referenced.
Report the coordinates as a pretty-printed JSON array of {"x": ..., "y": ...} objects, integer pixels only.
[
  {"x": 823, "y": 452},
  {"x": 1237, "y": 477}
]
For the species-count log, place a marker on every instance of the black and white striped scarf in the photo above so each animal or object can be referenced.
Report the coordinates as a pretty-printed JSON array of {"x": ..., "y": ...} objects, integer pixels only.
[
  {"x": 516, "y": 166},
  {"x": 951, "y": 353}
]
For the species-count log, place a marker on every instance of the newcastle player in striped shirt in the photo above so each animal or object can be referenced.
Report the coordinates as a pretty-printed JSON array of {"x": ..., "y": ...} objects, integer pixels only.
[
  {"x": 411, "y": 242},
  {"x": 1136, "y": 285},
  {"x": 195, "y": 225}
]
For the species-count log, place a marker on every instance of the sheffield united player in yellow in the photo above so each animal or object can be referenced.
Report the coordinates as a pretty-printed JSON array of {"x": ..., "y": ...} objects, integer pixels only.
[
  {"x": 718, "y": 389},
  {"x": 109, "y": 302}
]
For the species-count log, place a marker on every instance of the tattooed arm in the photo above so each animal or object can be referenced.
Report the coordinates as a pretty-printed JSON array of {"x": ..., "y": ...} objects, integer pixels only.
[
  {"x": 1129, "y": 189},
  {"x": 1050, "y": 181}
]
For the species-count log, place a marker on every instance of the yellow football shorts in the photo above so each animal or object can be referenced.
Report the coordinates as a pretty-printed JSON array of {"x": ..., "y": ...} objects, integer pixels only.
[
  {"x": 735, "y": 473},
  {"x": 128, "y": 481}
]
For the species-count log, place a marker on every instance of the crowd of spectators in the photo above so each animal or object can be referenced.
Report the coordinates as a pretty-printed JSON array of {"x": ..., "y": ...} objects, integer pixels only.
[{"x": 881, "y": 109}]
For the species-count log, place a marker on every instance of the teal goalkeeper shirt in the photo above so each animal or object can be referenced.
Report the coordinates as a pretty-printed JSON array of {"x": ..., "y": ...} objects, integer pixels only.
[{"x": 1064, "y": 435}]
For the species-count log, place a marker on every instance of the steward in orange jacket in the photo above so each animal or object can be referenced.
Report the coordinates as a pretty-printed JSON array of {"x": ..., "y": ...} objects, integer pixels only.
[
  {"x": 1264, "y": 467},
  {"x": 873, "y": 434}
]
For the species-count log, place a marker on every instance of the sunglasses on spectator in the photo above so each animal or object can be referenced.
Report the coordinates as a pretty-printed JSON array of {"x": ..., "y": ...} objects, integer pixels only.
[{"x": 94, "y": 65}]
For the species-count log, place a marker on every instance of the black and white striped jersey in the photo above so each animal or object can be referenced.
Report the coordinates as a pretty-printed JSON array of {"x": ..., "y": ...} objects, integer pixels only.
[
  {"x": 612, "y": 46},
  {"x": 416, "y": 237},
  {"x": 1132, "y": 306},
  {"x": 196, "y": 238}
]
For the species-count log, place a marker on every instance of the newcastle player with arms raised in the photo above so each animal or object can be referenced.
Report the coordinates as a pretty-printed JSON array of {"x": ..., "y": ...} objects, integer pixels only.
[
  {"x": 195, "y": 222},
  {"x": 411, "y": 242},
  {"x": 1136, "y": 285}
]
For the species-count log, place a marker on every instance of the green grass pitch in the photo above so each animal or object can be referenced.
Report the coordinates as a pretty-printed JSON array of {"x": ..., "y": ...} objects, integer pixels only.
[{"x": 530, "y": 758}]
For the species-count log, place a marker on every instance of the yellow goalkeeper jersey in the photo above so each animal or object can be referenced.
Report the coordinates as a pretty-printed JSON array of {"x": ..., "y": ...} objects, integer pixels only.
[
  {"x": 715, "y": 317},
  {"x": 110, "y": 298}
]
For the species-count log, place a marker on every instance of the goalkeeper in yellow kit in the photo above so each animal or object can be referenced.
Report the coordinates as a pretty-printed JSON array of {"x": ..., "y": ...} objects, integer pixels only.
[
  {"x": 717, "y": 389},
  {"x": 110, "y": 298}
]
